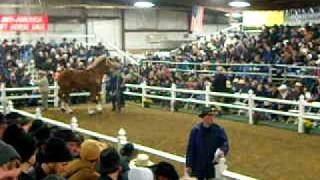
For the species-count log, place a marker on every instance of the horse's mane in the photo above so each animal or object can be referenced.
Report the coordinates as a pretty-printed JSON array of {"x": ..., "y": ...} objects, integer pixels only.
[{"x": 96, "y": 62}]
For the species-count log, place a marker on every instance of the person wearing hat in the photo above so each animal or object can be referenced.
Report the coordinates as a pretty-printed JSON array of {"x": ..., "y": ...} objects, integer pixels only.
[
  {"x": 126, "y": 154},
  {"x": 9, "y": 162},
  {"x": 25, "y": 145},
  {"x": 164, "y": 171},
  {"x": 205, "y": 139},
  {"x": 109, "y": 166},
  {"x": 56, "y": 157},
  {"x": 72, "y": 139},
  {"x": 85, "y": 167},
  {"x": 284, "y": 94},
  {"x": 43, "y": 89},
  {"x": 297, "y": 91}
]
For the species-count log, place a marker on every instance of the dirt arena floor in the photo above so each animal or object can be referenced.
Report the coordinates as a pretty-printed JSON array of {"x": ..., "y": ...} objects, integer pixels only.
[{"x": 259, "y": 151}]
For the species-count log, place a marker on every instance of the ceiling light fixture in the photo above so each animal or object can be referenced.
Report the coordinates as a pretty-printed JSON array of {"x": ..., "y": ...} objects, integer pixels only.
[
  {"x": 143, "y": 4},
  {"x": 234, "y": 15},
  {"x": 239, "y": 3}
]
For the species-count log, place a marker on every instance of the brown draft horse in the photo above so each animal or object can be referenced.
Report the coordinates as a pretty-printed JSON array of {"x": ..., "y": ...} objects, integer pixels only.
[{"x": 89, "y": 79}]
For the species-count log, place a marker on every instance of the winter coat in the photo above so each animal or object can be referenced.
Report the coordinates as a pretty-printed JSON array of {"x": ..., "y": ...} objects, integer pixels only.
[
  {"x": 81, "y": 170},
  {"x": 203, "y": 143}
]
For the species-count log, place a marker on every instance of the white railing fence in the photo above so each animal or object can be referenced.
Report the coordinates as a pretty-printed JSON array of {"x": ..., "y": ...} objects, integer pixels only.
[
  {"x": 120, "y": 140},
  {"x": 245, "y": 102}
]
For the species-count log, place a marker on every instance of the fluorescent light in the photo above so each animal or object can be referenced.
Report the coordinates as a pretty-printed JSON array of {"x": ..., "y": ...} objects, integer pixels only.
[
  {"x": 239, "y": 3},
  {"x": 234, "y": 15},
  {"x": 143, "y": 4}
]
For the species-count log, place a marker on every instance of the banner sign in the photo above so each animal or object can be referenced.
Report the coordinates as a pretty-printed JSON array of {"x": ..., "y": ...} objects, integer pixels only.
[{"x": 24, "y": 23}]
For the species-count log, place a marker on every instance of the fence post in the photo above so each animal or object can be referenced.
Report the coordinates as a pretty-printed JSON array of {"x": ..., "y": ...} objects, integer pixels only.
[
  {"x": 270, "y": 73},
  {"x": 207, "y": 98},
  {"x": 122, "y": 138},
  {"x": 4, "y": 98},
  {"x": 173, "y": 97},
  {"x": 251, "y": 106},
  {"x": 38, "y": 113},
  {"x": 55, "y": 93},
  {"x": 144, "y": 92},
  {"x": 74, "y": 123},
  {"x": 301, "y": 114},
  {"x": 10, "y": 106}
]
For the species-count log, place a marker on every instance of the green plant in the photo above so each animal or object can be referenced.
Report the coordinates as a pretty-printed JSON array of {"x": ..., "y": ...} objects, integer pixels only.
[{"x": 308, "y": 125}]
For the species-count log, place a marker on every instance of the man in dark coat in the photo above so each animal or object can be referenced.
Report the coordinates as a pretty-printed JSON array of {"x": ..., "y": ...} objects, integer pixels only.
[
  {"x": 205, "y": 139},
  {"x": 116, "y": 89},
  {"x": 109, "y": 166},
  {"x": 220, "y": 81}
]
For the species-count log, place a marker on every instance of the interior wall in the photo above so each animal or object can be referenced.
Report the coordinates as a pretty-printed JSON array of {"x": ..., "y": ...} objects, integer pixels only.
[{"x": 154, "y": 29}]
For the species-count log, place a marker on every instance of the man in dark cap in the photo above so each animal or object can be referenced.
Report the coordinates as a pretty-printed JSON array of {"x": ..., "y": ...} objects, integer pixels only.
[
  {"x": 56, "y": 158},
  {"x": 8, "y": 158},
  {"x": 164, "y": 171},
  {"x": 109, "y": 167},
  {"x": 205, "y": 139},
  {"x": 25, "y": 145},
  {"x": 72, "y": 139},
  {"x": 126, "y": 153}
]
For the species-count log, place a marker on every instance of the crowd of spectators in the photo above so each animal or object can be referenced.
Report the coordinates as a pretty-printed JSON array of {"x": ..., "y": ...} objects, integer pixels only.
[
  {"x": 33, "y": 150},
  {"x": 298, "y": 46}
]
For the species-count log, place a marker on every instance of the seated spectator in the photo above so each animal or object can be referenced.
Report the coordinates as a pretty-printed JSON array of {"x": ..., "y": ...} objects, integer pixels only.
[
  {"x": 109, "y": 167},
  {"x": 85, "y": 167},
  {"x": 56, "y": 157}
]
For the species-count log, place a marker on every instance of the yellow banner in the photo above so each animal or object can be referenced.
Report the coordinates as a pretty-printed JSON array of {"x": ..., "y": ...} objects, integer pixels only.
[{"x": 260, "y": 18}]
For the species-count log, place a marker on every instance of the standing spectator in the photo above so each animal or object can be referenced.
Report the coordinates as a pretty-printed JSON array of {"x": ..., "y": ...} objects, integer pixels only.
[
  {"x": 204, "y": 140},
  {"x": 72, "y": 139},
  {"x": 219, "y": 82},
  {"x": 44, "y": 89},
  {"x": 85, "y": 167},
  {"x": 164, "y": 171},
  {"x": 116, "y": 89},
  {"x": 109, "y": 167},
  {"x": 9, "y": 161},
  {"x": 126, "y": 153},
  {"x": 56, "y": 157}
]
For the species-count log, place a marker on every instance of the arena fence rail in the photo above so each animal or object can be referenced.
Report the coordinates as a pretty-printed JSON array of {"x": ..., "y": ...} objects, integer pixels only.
[
  {"x": 246, "y": 102},
  {"x": 120, "y": 140}
]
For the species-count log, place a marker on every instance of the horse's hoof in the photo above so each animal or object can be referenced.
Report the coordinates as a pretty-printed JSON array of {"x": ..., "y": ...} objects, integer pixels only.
[{"x": 91, "y": 112}]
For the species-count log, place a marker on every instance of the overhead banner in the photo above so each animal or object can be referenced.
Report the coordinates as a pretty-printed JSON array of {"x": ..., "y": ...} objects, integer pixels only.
[
  {"x": 24, "y": 23},
  {"x": 260, "y": 18}
]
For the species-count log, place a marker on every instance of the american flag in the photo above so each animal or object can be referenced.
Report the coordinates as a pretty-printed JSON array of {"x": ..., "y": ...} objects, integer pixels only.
[{"x": 197, "y": 19}]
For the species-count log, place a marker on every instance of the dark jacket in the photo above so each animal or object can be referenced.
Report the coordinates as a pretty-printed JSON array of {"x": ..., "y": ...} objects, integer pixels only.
[
  {"x": 38, "y": 173},
  {"x": 203, "y": 143},
  {"x": 219, "y": 83}
]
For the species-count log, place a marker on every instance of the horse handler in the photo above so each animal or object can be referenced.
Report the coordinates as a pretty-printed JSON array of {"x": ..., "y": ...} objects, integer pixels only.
[
  {"x": 44, "y": 89},
  {"x": 207, "y": 142}
]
